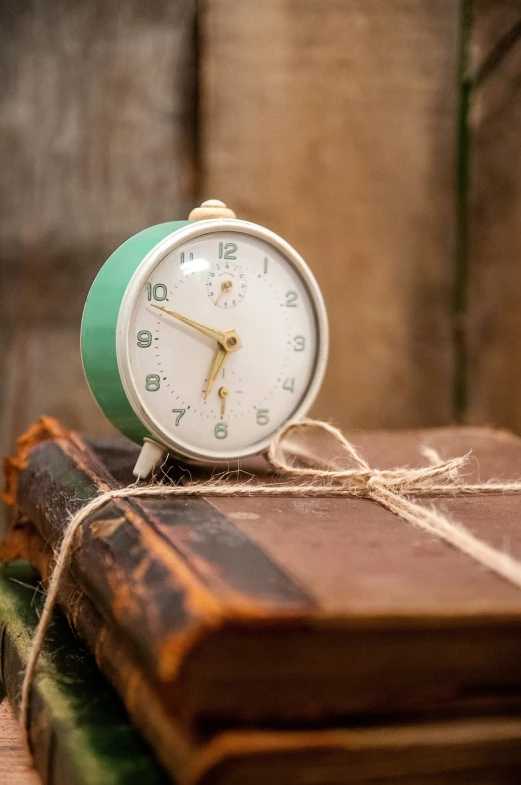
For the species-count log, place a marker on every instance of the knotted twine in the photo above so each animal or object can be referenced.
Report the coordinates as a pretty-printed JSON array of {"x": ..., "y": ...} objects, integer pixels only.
[{"x": 388, "y": 487}]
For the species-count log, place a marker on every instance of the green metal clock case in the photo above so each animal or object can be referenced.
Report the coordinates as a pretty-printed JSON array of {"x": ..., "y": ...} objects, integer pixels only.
[{"x": 99, "y": 323}]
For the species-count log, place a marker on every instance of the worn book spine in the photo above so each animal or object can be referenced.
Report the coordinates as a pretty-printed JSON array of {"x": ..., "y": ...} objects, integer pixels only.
[
  {"x": 167, "y": 583},
  {"x": 78, "y": 728},
  {"x": 173, "y": 744}
]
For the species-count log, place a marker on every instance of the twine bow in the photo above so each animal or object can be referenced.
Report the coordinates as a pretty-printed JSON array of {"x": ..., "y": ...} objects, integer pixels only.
[
  {"x": 391, "y": 487},
  {"x": 388, "y": 487},
  {"x": 361, "y": 480}
]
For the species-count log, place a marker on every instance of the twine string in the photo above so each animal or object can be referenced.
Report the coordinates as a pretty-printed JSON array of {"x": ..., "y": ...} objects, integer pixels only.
[{"x": 389, "y": 488}]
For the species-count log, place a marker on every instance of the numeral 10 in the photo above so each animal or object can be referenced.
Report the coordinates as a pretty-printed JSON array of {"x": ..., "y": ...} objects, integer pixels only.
[{"x": 157, "y": 292}]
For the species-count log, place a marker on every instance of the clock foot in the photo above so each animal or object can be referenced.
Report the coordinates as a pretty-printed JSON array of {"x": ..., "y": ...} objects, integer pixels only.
[{"x": 151, "y": 454}]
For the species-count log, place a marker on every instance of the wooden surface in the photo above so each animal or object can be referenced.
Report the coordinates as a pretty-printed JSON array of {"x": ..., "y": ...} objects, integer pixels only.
[
  {"x": 333, "y": 122},
  {"x": 96, "y": 143},
  {"x": 494, "y": 215},
  {"x": 14, "y": 762}
]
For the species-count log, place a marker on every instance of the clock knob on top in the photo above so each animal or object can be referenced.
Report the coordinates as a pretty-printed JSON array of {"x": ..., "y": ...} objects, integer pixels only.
[{"x": 211, "y": 208}]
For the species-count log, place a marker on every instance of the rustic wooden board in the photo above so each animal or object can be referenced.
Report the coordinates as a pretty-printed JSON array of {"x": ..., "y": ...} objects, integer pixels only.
[
  {"x": 333, "y": 122},
  {"x": 494, "y": 215},
  {"x": 14, "y": 763},
  {"x": 96, "y": 143}
]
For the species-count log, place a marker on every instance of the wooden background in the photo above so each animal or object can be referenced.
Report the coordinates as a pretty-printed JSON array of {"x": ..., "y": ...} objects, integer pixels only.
[{"x": 380, "y": 137}]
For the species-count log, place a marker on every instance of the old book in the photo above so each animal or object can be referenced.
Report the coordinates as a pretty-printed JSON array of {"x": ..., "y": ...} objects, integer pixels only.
[
  {"x": 481, "y": 751},
  {"x": 79, "y": 730},
  {"x": 291, "y": 610}
]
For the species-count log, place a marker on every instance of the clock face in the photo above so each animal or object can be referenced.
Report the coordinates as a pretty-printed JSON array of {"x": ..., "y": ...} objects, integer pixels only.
[{"x": 223, "y": 341}]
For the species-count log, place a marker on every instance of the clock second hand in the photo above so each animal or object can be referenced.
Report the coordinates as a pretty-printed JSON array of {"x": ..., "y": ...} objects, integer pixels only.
[{"x": 223, "y": 394}]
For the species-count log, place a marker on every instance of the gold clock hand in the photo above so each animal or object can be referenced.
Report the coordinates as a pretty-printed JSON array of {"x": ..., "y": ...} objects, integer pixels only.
[
  {"x": 225, "y": 287},
  {"x": 218, "y": 362},
  {"x": 209, "y": 331},
  {"x": 229, "y": 340},
  {"x": 223, "y": 394}
]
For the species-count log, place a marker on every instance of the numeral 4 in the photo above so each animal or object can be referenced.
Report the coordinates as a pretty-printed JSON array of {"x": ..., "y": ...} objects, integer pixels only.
[{"x": 289, "y": 385}]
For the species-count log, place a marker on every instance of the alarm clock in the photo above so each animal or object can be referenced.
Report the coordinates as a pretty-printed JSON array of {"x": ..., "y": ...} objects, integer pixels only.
[{"x": 204, "y": 338}]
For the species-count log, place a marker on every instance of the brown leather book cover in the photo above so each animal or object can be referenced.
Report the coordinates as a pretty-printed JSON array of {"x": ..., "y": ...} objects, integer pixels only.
[
  {"x": 292, "y": 610},
  {"x": 484, "y": 751}
]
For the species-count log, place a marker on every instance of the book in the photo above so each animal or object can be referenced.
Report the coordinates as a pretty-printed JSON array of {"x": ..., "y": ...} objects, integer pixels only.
[
  {"x": 296, "y": 611},
  {"x": 79, "y": 729},
  {"x": 484, "y": 751}
]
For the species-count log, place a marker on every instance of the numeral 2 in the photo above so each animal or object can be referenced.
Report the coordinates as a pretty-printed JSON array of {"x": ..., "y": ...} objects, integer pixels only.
[
  {"x": 291, "y": 299},
  {"x": 227, "y": 251}
]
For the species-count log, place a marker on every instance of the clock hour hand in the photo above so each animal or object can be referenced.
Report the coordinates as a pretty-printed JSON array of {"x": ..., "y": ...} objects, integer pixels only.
[
  {"x": 220, "y": 356},
  {"x": 229, "y": 340}
]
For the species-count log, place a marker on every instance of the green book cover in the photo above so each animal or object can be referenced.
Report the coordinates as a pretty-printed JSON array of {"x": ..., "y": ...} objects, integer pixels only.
[{"x": 80, "y": 732}]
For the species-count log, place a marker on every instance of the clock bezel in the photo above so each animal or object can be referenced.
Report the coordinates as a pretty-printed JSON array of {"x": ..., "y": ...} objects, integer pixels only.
[{"x": 129, "y": 303}]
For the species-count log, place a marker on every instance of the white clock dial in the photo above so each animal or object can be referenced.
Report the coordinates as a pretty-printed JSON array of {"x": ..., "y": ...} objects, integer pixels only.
[{"x": 222, "y": 281}]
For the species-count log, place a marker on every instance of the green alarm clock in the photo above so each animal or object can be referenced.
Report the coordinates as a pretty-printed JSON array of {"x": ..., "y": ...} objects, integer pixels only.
[{"x": 204, "y": 338}]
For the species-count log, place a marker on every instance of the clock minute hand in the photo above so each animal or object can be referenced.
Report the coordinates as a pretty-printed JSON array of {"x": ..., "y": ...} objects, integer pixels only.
[
  {"x": 209, "y": 331},
  {"x": 229, "y": 340}
]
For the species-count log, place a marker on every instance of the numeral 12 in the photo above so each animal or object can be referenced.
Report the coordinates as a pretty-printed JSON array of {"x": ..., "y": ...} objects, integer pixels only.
[{"x": 227, "y": 251}]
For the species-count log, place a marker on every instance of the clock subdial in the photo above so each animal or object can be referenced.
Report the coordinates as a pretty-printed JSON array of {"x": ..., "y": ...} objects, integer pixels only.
[{"x": 226, "y": 284}]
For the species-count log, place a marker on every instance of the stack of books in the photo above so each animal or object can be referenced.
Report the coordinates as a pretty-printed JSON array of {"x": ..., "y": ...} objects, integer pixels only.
[{"x": 245, "y": 640}]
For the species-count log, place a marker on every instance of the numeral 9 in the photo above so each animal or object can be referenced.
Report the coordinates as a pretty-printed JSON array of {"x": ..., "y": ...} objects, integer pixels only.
[{"x": 144, "y": 339}]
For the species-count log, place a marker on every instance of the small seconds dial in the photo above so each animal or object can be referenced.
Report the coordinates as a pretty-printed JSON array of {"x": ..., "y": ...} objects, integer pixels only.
[
  {"x": 226, "y": 284},
  {"x": 223, "y": 340}
]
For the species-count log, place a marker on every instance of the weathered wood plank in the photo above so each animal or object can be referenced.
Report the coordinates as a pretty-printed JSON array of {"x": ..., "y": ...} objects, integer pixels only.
[
  {"x": 494, "y": 217},
  {"x": 95, "y": 117},
  {"x": 96, "y": 143},
  {"x": 14, "y": 763},
  {"x": 333, "y": 122}
]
